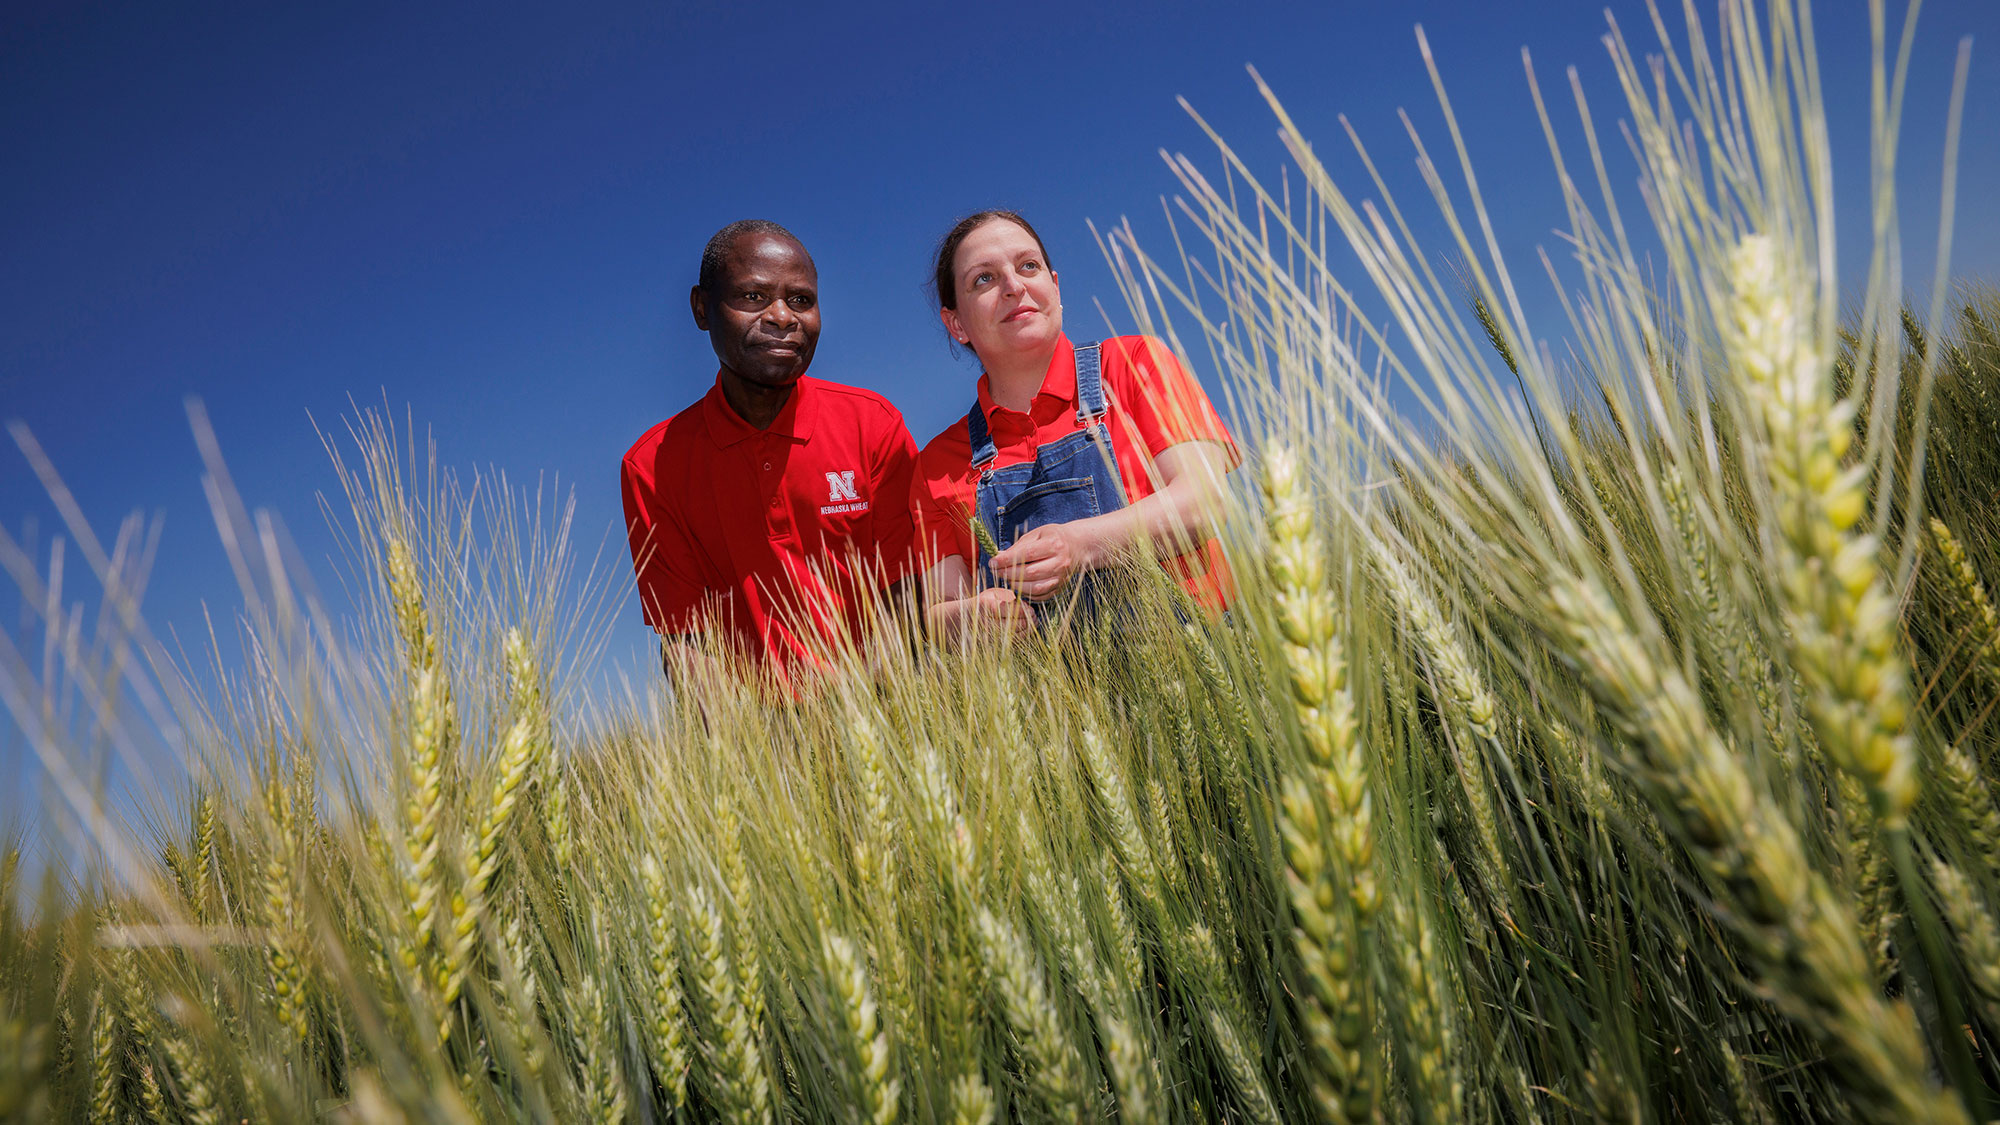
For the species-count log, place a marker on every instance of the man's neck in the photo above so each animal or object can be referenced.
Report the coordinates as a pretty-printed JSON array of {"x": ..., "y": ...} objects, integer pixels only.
[{"x": 757, "y": 405}]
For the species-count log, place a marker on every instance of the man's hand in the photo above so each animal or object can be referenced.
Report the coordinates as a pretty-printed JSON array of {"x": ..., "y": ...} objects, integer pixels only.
[
  {"x": 685, "y": 661},
  {"x": 1042, "y": 561}
]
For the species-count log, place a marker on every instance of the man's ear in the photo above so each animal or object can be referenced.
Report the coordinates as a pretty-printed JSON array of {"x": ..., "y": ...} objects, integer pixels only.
[
  {"x": 954, "y": 325},
  {"x": 698, "y": 302}
]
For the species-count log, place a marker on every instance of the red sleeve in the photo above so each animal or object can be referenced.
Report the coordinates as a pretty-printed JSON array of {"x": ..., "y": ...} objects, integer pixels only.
[
  {"x": 891, "y": 521},
  {"x": 662, "y": 556},
  {"x": 943, "y": 518},
  {"x": 1165, "y": 404}
]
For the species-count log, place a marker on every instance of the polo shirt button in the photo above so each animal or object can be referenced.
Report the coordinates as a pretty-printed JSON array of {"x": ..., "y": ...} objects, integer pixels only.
[{"x": 767, "y": 466}]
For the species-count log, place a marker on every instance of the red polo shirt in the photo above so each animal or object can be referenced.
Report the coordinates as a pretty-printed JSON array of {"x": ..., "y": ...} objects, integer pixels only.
[
  {"x": 770, "y": 534},
  {"x": 1154, "y": 404}
]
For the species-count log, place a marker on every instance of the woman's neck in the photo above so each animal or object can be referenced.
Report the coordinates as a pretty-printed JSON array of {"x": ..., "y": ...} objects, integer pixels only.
[{"x": 1015, "y": 380}]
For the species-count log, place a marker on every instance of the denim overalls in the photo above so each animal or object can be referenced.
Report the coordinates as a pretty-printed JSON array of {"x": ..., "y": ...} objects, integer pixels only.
[{"x": 1071, "y": 478}]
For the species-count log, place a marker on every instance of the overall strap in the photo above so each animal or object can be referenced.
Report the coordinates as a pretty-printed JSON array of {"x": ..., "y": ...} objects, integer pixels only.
[
  {"x": 1090, "y": 404},
  {"x": 983, "y": 449}
]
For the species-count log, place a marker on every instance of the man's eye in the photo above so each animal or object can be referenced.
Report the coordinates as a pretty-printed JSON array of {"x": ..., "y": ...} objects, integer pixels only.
[
  {"x": 982, "y": 279},
  {"x": 1030, "y": 266},
  {"x": 752, "y": 297},
  {"x": 802, "y": 302}
]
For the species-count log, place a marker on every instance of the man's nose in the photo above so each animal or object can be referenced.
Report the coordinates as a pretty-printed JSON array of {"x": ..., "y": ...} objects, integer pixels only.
[{"x": 780, "y": 313}]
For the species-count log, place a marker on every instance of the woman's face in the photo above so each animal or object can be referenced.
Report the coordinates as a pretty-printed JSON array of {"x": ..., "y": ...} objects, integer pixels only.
[{"x": 1008, "y": 302}]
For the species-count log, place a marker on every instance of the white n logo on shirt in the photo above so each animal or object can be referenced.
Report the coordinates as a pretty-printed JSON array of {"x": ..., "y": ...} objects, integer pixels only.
[{"x": 840, "y": 487}]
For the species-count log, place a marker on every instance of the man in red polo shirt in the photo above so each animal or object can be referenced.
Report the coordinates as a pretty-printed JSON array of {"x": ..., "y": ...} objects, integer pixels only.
[{"x": 773, "y": 508}]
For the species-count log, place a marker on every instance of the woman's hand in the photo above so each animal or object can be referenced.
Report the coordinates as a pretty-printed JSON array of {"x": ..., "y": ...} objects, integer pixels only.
[
  {"x": 1173, "y": 520},
  {"x": 955, "y": 600},
  {"x": 997, "y": 605},
  {"x": 1042, "y": 561}
]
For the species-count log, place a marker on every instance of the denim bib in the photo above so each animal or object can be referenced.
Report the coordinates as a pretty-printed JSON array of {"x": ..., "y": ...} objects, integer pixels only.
[{"x": 1072, "y": 478}]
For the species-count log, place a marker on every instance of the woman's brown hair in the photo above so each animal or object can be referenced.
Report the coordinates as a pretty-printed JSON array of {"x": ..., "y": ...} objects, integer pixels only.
[{"x": 945, "y": 284}]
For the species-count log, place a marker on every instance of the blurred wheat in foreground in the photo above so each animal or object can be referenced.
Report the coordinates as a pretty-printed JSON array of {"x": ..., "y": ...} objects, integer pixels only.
[{"x": 1624, "y": 753}]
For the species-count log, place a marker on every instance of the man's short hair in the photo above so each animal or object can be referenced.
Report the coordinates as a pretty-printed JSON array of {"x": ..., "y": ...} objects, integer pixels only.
[{"x": 719, "y": 244}]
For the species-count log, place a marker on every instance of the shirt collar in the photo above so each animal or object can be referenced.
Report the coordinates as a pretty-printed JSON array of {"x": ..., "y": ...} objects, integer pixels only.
[
  {"x": 1058, "y": 384},
  {"x": 794, "y": 420}
]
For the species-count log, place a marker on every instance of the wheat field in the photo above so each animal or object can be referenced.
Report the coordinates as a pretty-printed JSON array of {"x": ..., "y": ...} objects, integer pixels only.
[{"x": 1603, "y": 738}]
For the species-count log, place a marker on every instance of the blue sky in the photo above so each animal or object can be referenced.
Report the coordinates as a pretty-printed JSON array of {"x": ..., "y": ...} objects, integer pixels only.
[{"x": 488, "y": 215}]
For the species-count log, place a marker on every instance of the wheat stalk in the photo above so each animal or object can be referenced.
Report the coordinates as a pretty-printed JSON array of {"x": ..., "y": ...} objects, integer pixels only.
[
  {"x": 961, "y": 886},
  {"x": 1465, "y": 704},
  {"x": 430, "y": 727},
  {"x": 1326, "y": 819},
  {"x": 1220, "y": 682},
  {"x": 1841, "y": 613},
  {"x": 877, "y": 858},
  {"x": 284, "y": 948},
  {"x": 667, "y": 1029},
  {"x": 1468, "y": 704},
  {"x": 1244, "y": 1075},
  {"x": 941, "y": 805},
  {"x": 1970, "y": 800},
  {"x": 1160, "y": 835},
  {"x": 521, "y": 752},
  {"x": 1127, "y": 957},
  {"x": 1133, "y": 1077},
  {"x": 152, "y": 1096},
  {"x": 971, "y": 1101},
  {"x": 191, "y": 1080},
  {"x": 603, "y": 1090},
  {"x": 424, "y": 809},
  {"x": 555, "y": 814},
  {"x": 1427, "y": 1032},
  {"x": 104, "y": 1061},
  {"x": 177, "y": 866},
  {"x": 1743, "y": 1097},
  {"x": 742, "y": 926},
  {"x": 877, "y": 1088},
  {"x": 1978, "y": 937},
  {"x": 1799, "y": 933},
  {"x": 1048, "y": 1057},
  {"x": 517, "y": 985},
  {"x": 735, "y": 1062},
  {"x": 1968, "y": 597},
  {"x": 204, "y": 852},
  {"x": 1060, "y": 909},
  {"x": 1871, "y": 876},
  {"x": 1135, "y": 855}
]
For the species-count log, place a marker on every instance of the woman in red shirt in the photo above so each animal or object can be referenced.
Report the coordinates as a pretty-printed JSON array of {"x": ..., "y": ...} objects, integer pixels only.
[{"x": 1072, "y": 456}]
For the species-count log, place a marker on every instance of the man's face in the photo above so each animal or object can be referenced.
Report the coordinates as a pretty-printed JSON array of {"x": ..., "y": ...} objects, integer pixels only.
[{"x": 763, "y": 316}]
